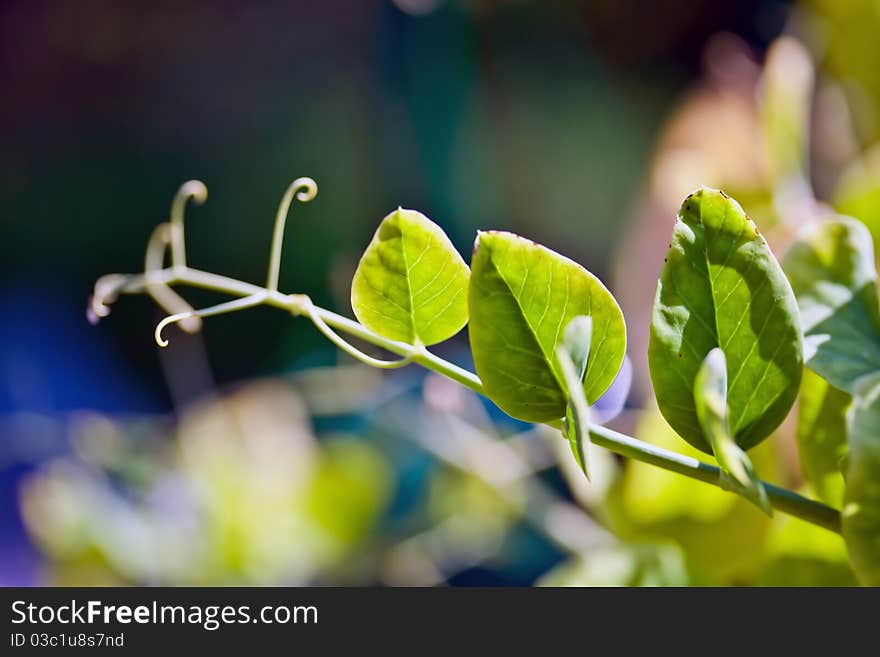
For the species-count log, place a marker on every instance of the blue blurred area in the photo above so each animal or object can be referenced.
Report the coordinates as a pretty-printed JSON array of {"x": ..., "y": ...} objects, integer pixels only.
[{"x": 53, "y": 363}]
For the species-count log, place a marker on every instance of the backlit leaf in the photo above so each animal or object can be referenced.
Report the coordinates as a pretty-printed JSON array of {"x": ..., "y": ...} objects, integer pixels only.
[
  {"x": 411, "y": 283},
  {"x": 721, "y": 286},
  {"x": 522, "y": 295},
  {"x": 831, "y": 268}
]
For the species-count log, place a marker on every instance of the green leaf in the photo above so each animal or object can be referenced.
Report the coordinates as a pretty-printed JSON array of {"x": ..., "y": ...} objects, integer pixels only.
[
  {"x": 411, "y": 283},
  {"x": 521, "y": 297},
  {"x": 831, "y": 268},
  {"x": 573, "y": 356},
  {"x": 710, "y": 396},
  {"x": 722, "y": 287},
  {"x": 860, "y": 519},
  {"x": 821, "y": 436}
]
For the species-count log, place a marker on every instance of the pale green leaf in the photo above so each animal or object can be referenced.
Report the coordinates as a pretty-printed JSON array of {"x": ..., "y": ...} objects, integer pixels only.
[
  {"x": 521, "y": 297},
  {"x": 860, "y": 518},
  {"x": 721, "y": 286},
  {"x": 411, "y": 283},
  {"x": 573, "y": 356},
  {"x": 831, "y": 268},
  {"x": 710, "y": 396},
  {"x": 821, "y": 436}
]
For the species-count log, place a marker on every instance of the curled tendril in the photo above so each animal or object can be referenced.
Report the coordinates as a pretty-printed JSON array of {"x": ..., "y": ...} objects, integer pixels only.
[
  {"x": 161, "y": 293},
  {"x": 219, "y": 309},
  {"x": 303, "y": 304},
  {"x": 105, "y": 293},
  {"x": 305, "y": 190},
  {"x": 191, "y": 189}
]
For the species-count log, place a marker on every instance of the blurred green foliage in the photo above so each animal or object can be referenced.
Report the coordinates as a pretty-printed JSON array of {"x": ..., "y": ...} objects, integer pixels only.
[{"x": 243, "y": 495}]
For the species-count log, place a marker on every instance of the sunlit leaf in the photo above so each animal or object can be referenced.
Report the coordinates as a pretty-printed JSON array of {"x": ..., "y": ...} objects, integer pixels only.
[
  {"x": 821, "y": 436},
  {"x": 831, "y": 268},
  {"x": 710, "y": 396},
  {"x": 522, "y": 296},
  {"x": 573, "y": 355},
  {"x": 411, "y": 283},
  {"x": 861, "y": 501},
  {"x": 721, "y": 286}
]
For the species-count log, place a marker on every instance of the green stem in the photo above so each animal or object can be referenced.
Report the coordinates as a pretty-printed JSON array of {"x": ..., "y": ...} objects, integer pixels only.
[{"x": 780, "y": 498}]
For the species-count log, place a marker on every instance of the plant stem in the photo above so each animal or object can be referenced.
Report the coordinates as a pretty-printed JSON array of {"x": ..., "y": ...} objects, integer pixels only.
[{"x": 780, "y": 498}]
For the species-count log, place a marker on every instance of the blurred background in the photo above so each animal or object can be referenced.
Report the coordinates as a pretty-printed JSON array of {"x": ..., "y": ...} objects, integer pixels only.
[{"x": 254, "y": 452}]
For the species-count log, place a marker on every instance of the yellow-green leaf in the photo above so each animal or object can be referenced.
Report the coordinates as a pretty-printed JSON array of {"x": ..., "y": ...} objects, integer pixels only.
[
  {"x": 522, "y": 295},
  {"x": 411, "y": 283},
  {"x": 831, "y": 268}
]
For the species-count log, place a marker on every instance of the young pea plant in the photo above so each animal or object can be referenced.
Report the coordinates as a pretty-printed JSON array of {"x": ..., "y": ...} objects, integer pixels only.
[{"x": 726, "y": 349}]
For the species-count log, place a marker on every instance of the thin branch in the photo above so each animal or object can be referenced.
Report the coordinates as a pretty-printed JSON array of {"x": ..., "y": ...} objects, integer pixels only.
[{"x": 109, "y": 287}]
